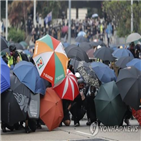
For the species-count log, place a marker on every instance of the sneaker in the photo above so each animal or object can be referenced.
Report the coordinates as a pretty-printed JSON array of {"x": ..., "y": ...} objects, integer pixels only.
[{"x": 77, "y": 124}]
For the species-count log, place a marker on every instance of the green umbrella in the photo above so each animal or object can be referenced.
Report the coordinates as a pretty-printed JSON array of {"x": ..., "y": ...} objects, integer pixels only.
[
  {"x": 110, "y": 109},
  {"x": 24, "y": 44}
]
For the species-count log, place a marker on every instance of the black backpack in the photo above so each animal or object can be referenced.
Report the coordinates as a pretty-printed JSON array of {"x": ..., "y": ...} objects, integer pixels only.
[{"x": 24, "y": 57}]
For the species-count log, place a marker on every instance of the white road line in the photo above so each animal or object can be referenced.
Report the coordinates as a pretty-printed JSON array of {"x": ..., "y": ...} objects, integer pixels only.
[{"x": 83, "y": 133}]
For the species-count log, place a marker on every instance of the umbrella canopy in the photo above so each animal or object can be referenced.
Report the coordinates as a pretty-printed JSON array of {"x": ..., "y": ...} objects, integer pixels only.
[
  {"x": 24, "y": 44},
  {"x": 133, "y": 37},
  {"x": 5, "y": 76},
  {"x": 29, "y": 76},
  {"x": 51, "y": 109},
  {"x": 65, "y": 29},
  {"x": 110, "y": 109},
  {"x": 135, "y": 62},
  {"x": 15, "y": 102},
  {"x": 80, "y": 39},
  {"x": 81, "y": 33},
  {"x": 4, "y": 44},
  {"x": 95, "y": 15},
  {"x": 66, "y": 44},
  {"x": 50, "y": 59},
  {"x": 129, "y": 84},
  {"x": 68, "y": 88},
  {"x": 118, "y": 53},
  {"x": 28, "y": 53},
  {"x": 88, "y": 74},
  {"x": 90, "y": 53},
  {"x": 18, "y": 46},
  {"x": 5, "y": 51},
  {"x": 10, "y": 109},
  {"x": 85, "y": 46},
  {"x": 104, "y": 53},
  {"x": 77, "y": 53},
  {"x": 121, "y": 62},
  {"x": 103, "y": 72},
  {"x": 95, "y": 44},
  {"x": 137, "y": 115}
]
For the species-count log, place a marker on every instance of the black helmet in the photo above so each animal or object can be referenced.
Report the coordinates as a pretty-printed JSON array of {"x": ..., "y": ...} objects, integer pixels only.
[{"x": 12, "y": 47}]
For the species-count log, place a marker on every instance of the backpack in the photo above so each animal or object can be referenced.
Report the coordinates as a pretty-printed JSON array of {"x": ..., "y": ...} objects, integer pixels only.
[{"x": 24, "y": 57}]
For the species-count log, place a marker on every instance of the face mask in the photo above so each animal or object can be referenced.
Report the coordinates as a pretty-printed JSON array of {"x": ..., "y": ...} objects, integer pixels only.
[{"x": 11, "y": 53}]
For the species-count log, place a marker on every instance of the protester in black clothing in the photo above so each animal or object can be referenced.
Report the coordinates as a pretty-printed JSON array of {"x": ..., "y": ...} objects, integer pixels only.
[
  {"x": 91, "y": 111},
  {"x": 78, "y": 106},
  {"x": 66, "y": 107}
]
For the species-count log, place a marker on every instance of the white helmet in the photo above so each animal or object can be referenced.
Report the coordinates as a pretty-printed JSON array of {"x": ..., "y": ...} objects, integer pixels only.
[{"x": 77, "y": 75}]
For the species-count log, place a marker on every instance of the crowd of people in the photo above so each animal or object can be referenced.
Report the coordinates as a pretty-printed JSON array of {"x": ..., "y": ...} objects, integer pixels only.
[
  {"x": 94, "y": 28},
  {"x": 84, "y": 102}
]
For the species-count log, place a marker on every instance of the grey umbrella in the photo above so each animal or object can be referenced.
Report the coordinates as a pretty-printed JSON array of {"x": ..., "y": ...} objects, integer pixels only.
[
  {"x": 81, "y": 39},
  {"x": 85, "y": 46},
  {"x": 133, "y": 37}
]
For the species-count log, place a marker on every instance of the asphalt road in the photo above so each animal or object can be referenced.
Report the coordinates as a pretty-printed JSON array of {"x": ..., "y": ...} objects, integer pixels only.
[{"x": 76, "y": 133}]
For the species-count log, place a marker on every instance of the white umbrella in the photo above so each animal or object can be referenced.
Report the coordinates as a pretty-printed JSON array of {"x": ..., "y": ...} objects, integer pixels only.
[
  {"x": 133, "y": 37},
  {"x": 94, "y": 15}
]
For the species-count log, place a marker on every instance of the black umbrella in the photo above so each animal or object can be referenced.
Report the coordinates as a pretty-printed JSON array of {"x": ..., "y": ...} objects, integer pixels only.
[
  {"x": 121, "y": 62},
  {"x": 77, "y": 53},
  {"x": 15, "y": 102},
  {"x": 19, "y": 46},
  {"x": 104, "y": 54},
  {"x": 80, "y": 39},
  {"x": 95, "y": 44},
  {"x": 129, "y": 84},
  {"x": 5, "y": 51},
  {"x": 10, "y": 110},
  {"x": 85, "y": 46},
  {"x": 4, "y": 44}
]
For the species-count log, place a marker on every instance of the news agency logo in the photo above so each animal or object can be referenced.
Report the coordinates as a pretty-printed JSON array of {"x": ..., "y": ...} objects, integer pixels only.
[{"x": 95, "y": 129}]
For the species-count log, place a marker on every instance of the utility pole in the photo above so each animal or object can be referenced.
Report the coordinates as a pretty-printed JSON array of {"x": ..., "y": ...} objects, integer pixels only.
[
  {"x": 69, "y": 34},
  {"x": 34, "y": 19},
  {"x": 131, "y": 16},
  {"x": 6, "y": 13}
]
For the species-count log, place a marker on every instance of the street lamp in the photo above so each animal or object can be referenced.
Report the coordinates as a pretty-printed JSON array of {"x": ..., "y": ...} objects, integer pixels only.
[
  {"x": 131, "y": 16},
  {"x": 69, "y": 36},
  {"x": 6, "y": 13},
  {"x": 34, "y": 13}
]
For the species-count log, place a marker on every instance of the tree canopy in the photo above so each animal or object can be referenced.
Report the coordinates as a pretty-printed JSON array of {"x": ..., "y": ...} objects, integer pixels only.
[{"x": 120, "y": 13}]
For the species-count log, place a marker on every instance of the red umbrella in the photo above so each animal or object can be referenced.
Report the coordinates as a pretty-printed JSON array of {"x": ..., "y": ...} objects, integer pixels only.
[
  {"x": 90, "y": 53},
  {"x": 51, "y": 109},
  {"x": 68, "y": 88},
  {"x": 65, "y": 29}
]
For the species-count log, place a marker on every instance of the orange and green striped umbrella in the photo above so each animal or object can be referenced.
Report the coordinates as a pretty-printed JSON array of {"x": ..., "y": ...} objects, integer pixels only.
[{"x": 50, "y": 59}]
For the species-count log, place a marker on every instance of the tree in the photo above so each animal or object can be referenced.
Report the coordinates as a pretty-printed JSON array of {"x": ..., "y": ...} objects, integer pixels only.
[
  {"x": 120, "y": 12},
  {"x": 18, "y": 12},
  {"x": 44, "y": 7}
]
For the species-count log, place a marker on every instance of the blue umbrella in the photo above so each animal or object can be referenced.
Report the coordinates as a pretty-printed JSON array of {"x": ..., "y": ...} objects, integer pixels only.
[
  {"x": 66, "y": 44},
  {"x": 28, "y": 53},
  {"x": 122, "y": 53},
  {"x": 5, "y": 76},
  {"x": 81, "y": 33},
  {"x": 28, "y": 75},
  {"x": 136, "y": 63},
  {"x": 103, "y": 72}
]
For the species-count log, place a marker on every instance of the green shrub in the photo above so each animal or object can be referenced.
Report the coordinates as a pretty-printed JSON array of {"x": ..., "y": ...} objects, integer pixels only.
[{"x": 16, "y": 35}]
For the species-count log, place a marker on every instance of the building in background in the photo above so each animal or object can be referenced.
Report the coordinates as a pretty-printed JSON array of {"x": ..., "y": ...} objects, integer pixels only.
[{"x": 82, "y": 8}]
